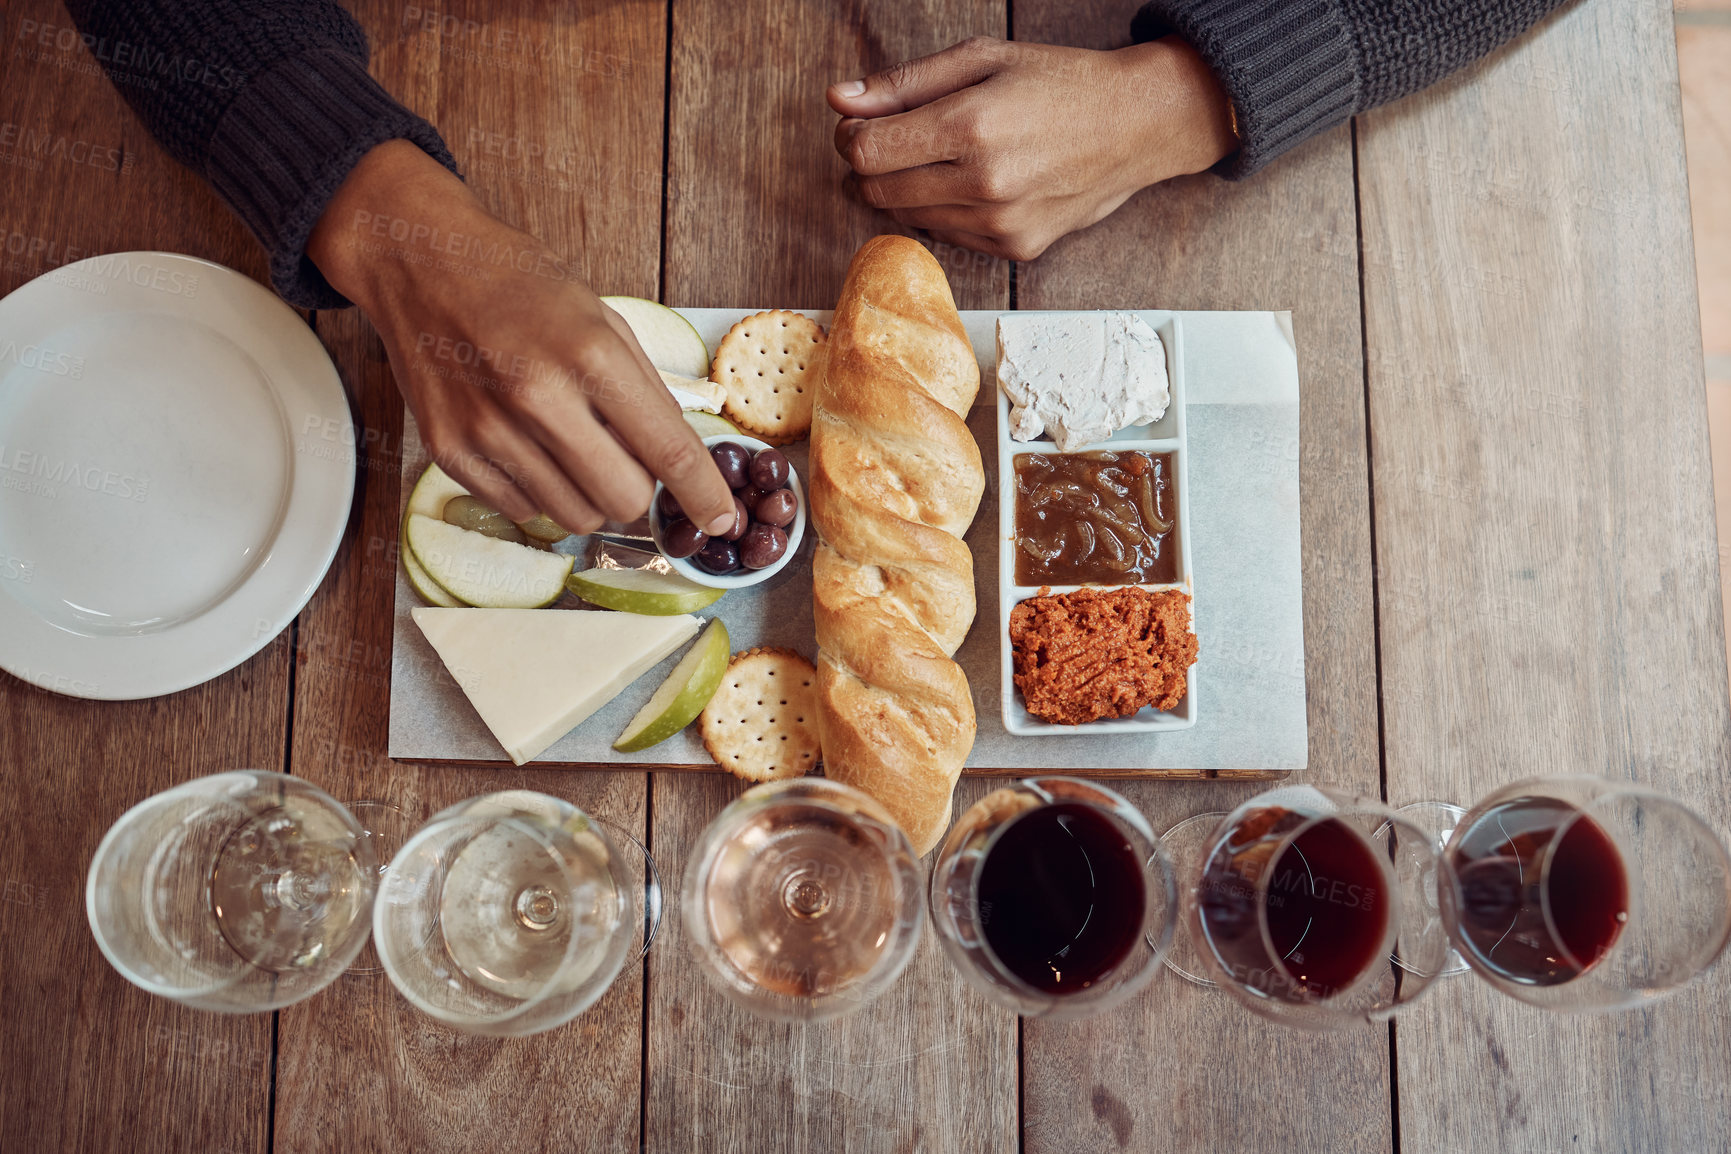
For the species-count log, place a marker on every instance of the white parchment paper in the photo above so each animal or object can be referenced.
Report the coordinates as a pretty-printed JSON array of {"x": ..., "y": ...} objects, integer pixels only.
[{"x": 1241, "y": 371}]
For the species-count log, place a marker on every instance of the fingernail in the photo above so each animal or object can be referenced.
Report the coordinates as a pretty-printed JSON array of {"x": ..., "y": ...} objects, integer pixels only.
[
  {"x": 850, "y": 88},
  {"x": 719, "y": 525}
]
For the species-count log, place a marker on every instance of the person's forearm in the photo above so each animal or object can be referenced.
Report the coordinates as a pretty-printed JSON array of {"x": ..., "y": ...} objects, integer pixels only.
[
  {"x": 1299, "y": 67},
  {"x": 268, "y": 99}
]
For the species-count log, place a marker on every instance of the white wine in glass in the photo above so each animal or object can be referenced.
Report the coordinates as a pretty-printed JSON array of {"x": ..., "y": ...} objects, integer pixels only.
[
  {"x": 242, "y": 891},
  {"x": 511, "y": 913},
  {"x": 802, "y": 899}
]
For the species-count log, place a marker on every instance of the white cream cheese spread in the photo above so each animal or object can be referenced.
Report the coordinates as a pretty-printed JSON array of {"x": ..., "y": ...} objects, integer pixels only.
[{"x": 1077, "y": 378}]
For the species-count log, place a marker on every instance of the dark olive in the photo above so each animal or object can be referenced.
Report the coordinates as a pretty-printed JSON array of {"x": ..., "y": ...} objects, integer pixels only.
[
  {"x": 717, "y": 556},
  {"x": 777, "y": 508},
  {"x": 669, "y": 505},
  {"x": 751, "y": 495},
  {"x": 762, "y": 546},
  {"x": 769, "y": 469},
  {"x": 732, "y": 459},
  {"x": 681, "y": 538},
  {"x": 741, "y": 521}
]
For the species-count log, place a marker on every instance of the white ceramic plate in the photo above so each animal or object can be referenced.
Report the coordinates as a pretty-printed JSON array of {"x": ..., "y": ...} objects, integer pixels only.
[
  {"x": 176, "y": 467},
  {"x": 1167, "y": 435}
]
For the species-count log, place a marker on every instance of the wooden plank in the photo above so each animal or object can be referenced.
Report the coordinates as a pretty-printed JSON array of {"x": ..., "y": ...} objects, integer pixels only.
[
  {"x": 760, "y": 207},
  {"x": 553, "y": 113},
  {"x": 712, "y": 768},
  {"x": 929, "y": 1066},
  {"x": 1551, "y": 605},
  {"x": 759, "y": 213},
  {"x": 358, "y": 1067},
  {"x": 80, "y": 176},
  {"x": 1182, "y": 1068}
]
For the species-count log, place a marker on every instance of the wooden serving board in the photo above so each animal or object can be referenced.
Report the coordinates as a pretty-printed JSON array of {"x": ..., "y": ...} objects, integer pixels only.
[{"x": 1242, "y": 411}]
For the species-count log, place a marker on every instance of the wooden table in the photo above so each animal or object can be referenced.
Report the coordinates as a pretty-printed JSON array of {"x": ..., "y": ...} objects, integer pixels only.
[{"x": 1510, "y": 569}]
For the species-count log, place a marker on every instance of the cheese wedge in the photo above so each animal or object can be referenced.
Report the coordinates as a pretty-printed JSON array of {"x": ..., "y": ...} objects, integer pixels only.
[{"x": 534, "y": 674}]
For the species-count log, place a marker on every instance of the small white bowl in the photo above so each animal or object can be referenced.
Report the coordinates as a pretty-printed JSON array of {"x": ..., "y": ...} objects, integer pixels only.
[{"x": 740, "y": 578}]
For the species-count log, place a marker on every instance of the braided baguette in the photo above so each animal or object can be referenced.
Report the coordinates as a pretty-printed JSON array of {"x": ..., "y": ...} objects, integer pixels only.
[{"x": 895, "y": 477}]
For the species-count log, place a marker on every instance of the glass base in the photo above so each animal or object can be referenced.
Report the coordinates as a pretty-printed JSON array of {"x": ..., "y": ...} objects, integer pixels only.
[
  {"x": 1437, "y": 819},
  {"x": 1186, "y": 842}
]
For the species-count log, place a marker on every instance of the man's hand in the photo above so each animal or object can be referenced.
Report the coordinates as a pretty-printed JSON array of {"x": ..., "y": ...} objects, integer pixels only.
[
  {"x": 527, "y": 389},
  {"x": 1004, "y": 147}
]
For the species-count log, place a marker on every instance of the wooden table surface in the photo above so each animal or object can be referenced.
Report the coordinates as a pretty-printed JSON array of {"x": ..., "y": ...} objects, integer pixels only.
[{"x": 1509, "y": 559}]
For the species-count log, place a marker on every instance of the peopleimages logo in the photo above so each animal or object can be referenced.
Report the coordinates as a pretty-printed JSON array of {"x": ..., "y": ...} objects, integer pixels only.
[
  {"x": 116, "y": 267},
  {"x": 42, "y": 358},
  {"x": 31, "y": 472},
  {"x": 21, "y": 144}
]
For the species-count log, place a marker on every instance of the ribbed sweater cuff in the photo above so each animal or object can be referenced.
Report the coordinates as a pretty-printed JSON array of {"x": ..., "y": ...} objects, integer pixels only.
[
  {"x": 1288, "y": 67},
  {"x": 286, "y": 144}
]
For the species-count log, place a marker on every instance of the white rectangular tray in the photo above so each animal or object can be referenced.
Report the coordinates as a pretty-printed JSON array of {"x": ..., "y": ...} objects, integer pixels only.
[{"x": 1167, "y": 435}]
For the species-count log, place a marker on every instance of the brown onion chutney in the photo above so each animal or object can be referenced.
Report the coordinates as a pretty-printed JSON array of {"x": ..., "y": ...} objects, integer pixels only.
[{"x": 1096, "y": 518}]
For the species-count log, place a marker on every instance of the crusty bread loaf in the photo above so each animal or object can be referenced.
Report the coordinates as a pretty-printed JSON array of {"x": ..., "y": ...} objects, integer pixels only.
[{"x": 895, "y": 478}]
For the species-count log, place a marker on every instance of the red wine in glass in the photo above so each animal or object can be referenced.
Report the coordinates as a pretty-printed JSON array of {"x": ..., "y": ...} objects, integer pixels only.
[
  {"x": 1323, "y": 898},
  {"x": 1061, "y": 897},
  {"x": 1503, "y": 890}
]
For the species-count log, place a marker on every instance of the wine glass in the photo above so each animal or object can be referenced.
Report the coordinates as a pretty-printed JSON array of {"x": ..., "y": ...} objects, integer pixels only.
[
  {"x": 1311, "y": 907},
  {"x": 1054, "y": 897},
  {"x": 386, "y": 826},
  {"x": 242, "y": 891},
  {"x": 803, "y": 899},
  {"x": 1579, "y": 893},
  {"x": 1186, "y": 843},
  {"x": 511, "y": 913}
]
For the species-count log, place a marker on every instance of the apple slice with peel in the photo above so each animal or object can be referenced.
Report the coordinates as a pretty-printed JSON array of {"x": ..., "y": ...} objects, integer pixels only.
[
  {"x": 668, "y": 339},
  {"x": 484, "y": 571},
  {"x": 710, "y": 425},
  {"x": 683, "y": 695},
  {"x": 428, "y": 498},
  {"x": 642, "y": 591}
]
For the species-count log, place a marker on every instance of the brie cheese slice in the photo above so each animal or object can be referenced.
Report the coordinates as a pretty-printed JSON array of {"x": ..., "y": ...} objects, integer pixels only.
[
  {"x": 692, "y": 394},
  {"x": 534, "y": 674},
  {"x": 1077, "y": 378}
]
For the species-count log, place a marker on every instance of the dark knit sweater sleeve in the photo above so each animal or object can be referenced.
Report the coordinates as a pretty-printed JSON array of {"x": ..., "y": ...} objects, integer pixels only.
[
  {"x": 269, "y": 100},
  {"x": 1293, "y": 68}
]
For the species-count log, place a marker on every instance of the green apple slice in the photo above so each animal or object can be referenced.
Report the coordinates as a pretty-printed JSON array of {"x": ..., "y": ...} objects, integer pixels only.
[
  {"x": 667, "y": 338},
  {"x": 428, "y": 498},
  {"x": 642, "y": 591},
  {"x": 484, "y": 571},
  {"x": 710, "y": 425},
  {"x": 683, "y": 695}
]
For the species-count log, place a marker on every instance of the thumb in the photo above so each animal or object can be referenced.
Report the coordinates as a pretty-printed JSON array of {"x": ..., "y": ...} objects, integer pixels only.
[{"x": 920, "y": 81}]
